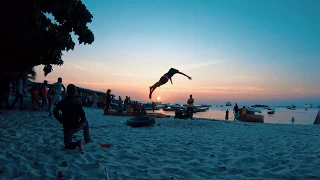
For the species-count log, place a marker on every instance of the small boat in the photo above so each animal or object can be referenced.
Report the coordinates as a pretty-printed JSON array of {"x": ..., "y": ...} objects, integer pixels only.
[
  {"x": 308, "y": 105},
  {"x": 292, "y": 107},
  {"x": 228, "y": 104},
  {"x": 271, "y": 111},
  {"x": 169, "y": 109},
  {"x": 201, "y": 109},
  {"x": 251, "y": 116},
  {"x": 206, "y": 105}
]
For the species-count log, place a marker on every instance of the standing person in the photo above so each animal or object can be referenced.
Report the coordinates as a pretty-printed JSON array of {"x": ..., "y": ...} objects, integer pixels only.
[
  {"x": 227, "y": 114},
  {"x": 236, "y": 111},
  {"x": 95, "y": 101},
  {"x": 44, "y": 93},
  {"x": 73, "y": 118},
  {"x": 56, "y": 88},
  {"x": 125, "y": 103},
  {"x": 19, "y": 92},
  {"x": 108, "y": 102},
  {"x": 164, "y": 79},
  {"x": 190, "y": 106},
  {"x": 35, "y": 97}
]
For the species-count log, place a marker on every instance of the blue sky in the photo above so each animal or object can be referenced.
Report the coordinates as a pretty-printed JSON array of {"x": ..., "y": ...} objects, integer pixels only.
[{"x": 267, "y": 48}]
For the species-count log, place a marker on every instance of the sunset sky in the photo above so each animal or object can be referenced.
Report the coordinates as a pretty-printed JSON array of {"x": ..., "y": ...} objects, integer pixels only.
[{"x": 238, "y": 51}]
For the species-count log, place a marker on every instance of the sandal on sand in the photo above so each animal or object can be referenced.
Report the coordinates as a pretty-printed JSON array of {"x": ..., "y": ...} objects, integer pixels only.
[{"x": 105, "y": 145}]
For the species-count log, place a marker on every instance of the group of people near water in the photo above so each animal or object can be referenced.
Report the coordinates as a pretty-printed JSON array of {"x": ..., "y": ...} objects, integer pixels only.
[
  {"x": 237, "y": 112},
  {"x": 127, "y": 105}
]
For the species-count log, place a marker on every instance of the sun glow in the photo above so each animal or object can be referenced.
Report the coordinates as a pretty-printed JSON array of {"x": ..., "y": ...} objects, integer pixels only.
[{"x": 158, "y": 98}]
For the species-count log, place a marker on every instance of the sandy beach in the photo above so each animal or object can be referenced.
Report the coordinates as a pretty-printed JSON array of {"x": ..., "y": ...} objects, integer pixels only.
[{"x": 32, "y": 148}]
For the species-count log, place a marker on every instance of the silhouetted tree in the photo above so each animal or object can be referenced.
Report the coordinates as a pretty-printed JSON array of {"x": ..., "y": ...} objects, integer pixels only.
[{"x": 31, "y": 38}]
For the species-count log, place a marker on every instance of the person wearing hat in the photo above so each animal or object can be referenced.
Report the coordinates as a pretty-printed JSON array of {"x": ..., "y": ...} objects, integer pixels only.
[{"x": 56, "y": 98}]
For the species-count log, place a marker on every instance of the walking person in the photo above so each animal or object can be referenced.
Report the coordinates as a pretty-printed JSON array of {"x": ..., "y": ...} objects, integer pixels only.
[
  {"x": 190, "y": 106},
  {"x": 56, "y": 98}
]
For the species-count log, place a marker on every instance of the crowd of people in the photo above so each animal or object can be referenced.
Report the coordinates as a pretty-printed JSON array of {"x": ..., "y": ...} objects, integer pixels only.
[{"x": 123, "y": 105}]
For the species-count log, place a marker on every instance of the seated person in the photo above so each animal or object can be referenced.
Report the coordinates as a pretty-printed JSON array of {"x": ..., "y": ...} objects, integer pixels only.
[
  {"x": 120, "y": 109},
  {"x": 243, "y": 111},
  {"x": 73, "y": 118},
  {"x": 143, "y": 110},
  {"x": 129, "y": 110}
]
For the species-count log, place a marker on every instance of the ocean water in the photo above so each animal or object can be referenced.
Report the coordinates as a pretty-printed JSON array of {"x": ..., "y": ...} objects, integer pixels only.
[{"x": 281, "y": 116}]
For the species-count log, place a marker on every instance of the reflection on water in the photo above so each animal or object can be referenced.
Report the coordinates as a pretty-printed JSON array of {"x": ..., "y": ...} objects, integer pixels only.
[{"x": 281, "y": 116}]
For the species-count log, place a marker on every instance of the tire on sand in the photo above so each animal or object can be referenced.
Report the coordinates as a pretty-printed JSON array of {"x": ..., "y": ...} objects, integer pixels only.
[{"x": 141, "y": 121}]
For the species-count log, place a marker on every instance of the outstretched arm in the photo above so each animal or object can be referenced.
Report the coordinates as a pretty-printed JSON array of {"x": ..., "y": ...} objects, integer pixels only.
[
  {"x": 185, "y": 75},
  {"x": 171, "y": 80},
  {"x": 64, "y": 89}
]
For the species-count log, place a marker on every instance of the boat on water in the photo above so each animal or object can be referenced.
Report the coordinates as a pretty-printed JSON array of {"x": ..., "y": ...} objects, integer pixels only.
[
  {"x": 228, "y": 104},
  {"x": 206, "y": 105},
  {"x": 292, "y": 107},
  {"x": 185, "y": 106},
  {"x": 260, "y": 106},
  {"x": 199, "y": 108},
  {"x": 251, "y": 116},
  {"x": 160, "y": 105},
  {"x": 308, "y": 106},
  {"x": 149, "y": 106},
  {"x": 271, "y": 111}
]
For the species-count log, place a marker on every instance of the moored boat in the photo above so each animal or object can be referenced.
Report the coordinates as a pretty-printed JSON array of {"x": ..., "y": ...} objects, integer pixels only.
[
  {"x": 271, "y": 111},
  {"x": 251, "y": 116},
  {"x": 228, "y": 104}
]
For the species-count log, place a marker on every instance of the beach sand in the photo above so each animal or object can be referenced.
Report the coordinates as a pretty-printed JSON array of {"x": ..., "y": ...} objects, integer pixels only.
[{"x": 31, "y": 147}]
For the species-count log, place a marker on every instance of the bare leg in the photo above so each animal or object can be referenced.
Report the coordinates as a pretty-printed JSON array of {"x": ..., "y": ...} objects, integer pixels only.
[
  {"x": 81, "y": 146},
  {"x": 154, "y": 87}
]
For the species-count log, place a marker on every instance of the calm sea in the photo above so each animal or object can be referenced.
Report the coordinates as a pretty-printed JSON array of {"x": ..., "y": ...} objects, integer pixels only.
[{"x": 282, "y": 115}]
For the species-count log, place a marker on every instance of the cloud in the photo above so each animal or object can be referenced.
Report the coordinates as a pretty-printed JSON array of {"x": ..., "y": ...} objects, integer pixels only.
[
  {"x": 80, "y": 67},
  {"x": 125, "y": 74},
  {"x": 198, "y": 65}
]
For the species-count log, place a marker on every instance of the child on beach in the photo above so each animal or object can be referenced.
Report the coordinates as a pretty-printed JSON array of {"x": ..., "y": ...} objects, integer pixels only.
[{"x": 227, "y": 114}]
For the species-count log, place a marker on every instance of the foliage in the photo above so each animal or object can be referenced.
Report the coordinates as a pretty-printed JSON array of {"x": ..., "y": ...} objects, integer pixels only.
[{"x": 31, "y": 38}]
